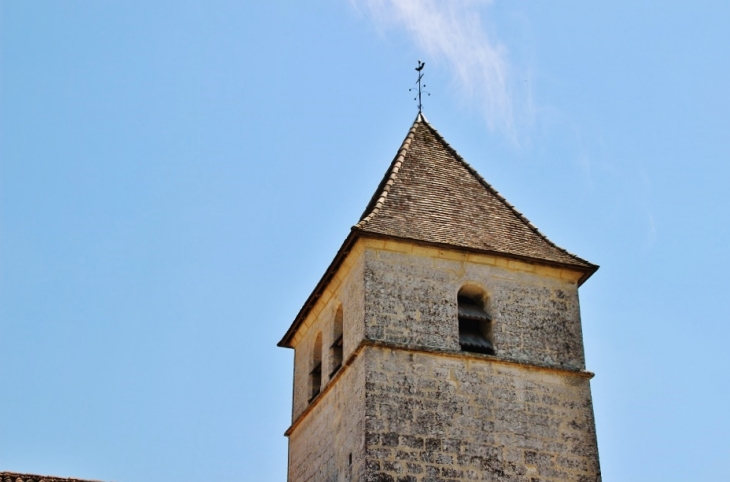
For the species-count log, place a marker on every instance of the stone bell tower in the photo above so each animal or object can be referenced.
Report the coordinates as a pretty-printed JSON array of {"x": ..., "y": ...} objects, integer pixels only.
[{"x": 443, "y": 343}]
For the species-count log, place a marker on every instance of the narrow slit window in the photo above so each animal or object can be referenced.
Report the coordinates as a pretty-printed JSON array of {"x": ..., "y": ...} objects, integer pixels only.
[
  {"x": 315, "y": 376},
  {"x": 474, "y": 327},
  {"x": 336, "y": 348}
]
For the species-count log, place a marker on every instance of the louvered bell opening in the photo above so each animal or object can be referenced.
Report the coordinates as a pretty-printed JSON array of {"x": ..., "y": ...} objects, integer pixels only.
[
  {"x": 471, "y": 320},
  {"x": 470, "y": 310},
  {"x": 316, "y": 377},
  {"x": 336, "y": 355}
]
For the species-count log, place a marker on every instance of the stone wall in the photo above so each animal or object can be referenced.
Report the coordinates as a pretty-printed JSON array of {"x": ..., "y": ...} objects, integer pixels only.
[
  {"x": 347, "y": 289},
  {"x": 410, "y": 406},
  {"x": 434, "y": 417},
  {"x": 411, "y": 298},
  {"x": 404, "y": 293},
  {"x": 326, "y": 445}
]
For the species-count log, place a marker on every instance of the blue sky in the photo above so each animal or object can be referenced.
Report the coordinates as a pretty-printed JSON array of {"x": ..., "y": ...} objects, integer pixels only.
[{"x": 176, "y": 176}]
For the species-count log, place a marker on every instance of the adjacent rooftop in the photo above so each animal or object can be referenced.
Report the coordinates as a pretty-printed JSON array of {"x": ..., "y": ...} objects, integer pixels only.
[{"x": 15, "y": 477}]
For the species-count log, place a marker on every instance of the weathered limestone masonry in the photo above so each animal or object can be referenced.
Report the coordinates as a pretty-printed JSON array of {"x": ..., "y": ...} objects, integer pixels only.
[
  {"x": 405, "y": 395},
  {"x": 410, "y": 298},
  {"x": 346, "y": 290},
  {"x": 435, "y": 413},
  {"x": 327, "y": 444},
  {"x": 326, "y": 440},
  {"x": 432, "y": 417}
]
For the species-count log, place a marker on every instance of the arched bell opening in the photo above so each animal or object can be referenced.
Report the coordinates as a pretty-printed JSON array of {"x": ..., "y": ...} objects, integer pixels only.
[
  {"x": 315, "y": 376},
  {"x": 337, "y": 345},
  {"x": 475, "y": 323}
]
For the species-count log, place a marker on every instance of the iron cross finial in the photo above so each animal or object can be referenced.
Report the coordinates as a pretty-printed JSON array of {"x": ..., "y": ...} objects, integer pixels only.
[{"x": 419, "y": 69}]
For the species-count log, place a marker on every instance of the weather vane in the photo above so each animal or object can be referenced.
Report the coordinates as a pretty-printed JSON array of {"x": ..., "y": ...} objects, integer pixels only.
[{"x": 419, "y": 69}]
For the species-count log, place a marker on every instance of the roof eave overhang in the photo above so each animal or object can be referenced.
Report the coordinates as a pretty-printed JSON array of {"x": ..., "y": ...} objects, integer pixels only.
[
  {"x": 319, "y": 289},
  {"x": 356, "y": 233},
  {"x": 587, "y": 270}
]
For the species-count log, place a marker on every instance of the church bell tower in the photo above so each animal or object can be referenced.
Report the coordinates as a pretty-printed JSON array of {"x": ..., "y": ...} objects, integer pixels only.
[{"x": 444, "y": 342}]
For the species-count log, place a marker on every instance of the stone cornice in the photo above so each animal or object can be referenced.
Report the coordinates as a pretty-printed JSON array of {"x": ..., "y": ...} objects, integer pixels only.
[{"x": 432, "y": 351}]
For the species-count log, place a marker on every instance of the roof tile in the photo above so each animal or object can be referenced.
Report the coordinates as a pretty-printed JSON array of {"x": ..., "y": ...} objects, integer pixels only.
[{"x": 431, "y": 194}]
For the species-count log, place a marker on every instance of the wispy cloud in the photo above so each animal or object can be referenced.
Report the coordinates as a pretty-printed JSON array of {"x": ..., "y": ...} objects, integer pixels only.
[{"x": 453, "y": 31}]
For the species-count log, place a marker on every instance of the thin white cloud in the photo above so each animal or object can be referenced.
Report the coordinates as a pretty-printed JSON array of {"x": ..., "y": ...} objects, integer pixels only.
[{"x": 453, "y": 31}]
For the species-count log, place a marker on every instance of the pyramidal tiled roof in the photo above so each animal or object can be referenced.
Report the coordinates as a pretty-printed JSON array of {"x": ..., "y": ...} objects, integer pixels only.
[{"x": 431, "y": 194}]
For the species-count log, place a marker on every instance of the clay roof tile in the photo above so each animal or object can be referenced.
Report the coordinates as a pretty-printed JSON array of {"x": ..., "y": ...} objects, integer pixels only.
[{"x": 431, "y": 194}]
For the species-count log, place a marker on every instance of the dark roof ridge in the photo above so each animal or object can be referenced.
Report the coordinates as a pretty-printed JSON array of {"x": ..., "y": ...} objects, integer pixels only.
[
  {"x": 486, "y": 184},
  {"x": 381, "y": 193}
]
